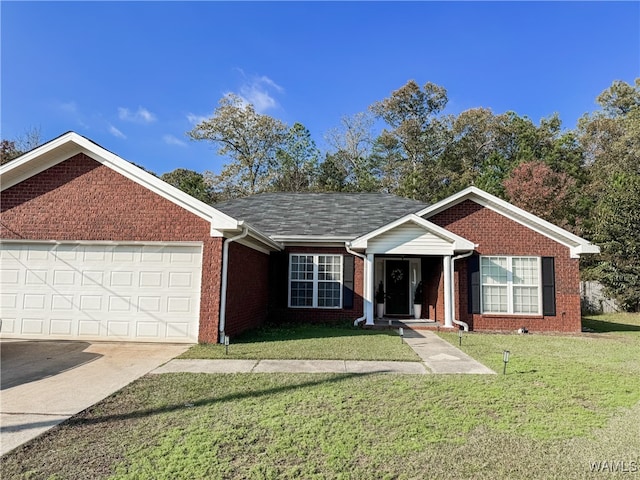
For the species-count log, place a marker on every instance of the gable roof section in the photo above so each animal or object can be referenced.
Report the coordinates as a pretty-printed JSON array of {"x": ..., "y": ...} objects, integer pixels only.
[
  {"x": 69, "y": 144},
  {"x": 335, "y": 217},
  {"x": 441, "y": 240},
  {"x": 576, "y": 244}
]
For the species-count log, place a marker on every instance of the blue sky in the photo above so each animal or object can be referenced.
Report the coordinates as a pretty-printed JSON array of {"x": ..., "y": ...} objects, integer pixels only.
[{"x": 135, "y": 76}]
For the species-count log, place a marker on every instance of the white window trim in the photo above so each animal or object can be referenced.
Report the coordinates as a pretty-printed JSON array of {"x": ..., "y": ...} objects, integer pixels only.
[
  {"x": 316, "y": 281},
  {"x": 510, "y": 286}
]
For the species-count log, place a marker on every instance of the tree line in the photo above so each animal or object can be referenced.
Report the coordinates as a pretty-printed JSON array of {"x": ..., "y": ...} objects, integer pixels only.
[{"x": 585, "y": 179}]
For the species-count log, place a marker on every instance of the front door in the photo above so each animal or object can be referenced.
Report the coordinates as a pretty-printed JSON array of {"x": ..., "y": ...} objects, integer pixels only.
[{"x": 397, "y": 286}]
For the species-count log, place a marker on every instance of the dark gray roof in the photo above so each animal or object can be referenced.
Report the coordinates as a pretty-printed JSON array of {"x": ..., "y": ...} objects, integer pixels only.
[{"x": 330, "y": 214}]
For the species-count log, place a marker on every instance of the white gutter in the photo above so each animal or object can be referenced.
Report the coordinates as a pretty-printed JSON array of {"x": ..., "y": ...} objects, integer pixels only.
[
  {"x": 358, "y": 321},
  {"x": 460, "y": 323},
  {"x": 223, "y": 288}
]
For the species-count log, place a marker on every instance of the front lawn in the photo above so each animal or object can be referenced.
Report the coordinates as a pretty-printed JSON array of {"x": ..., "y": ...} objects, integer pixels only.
[
  {"x": 311, "y": 342},
  {"x": 565, "y": 404}
]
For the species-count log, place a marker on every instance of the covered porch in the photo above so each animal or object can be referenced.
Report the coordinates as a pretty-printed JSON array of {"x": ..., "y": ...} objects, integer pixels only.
[{"x": 409, "y": 274}]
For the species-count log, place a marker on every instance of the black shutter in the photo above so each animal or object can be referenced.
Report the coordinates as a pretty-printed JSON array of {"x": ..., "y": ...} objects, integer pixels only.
[
  {"x": 548, "y": 287},
  {"x": 347, "y": 281},
  {"x": 473, "y": 265},
  {"x": 279, "y": 279}
]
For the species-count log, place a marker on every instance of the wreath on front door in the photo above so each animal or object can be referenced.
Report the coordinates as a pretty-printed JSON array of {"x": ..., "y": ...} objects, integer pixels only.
[{"x": 397, "y": 275}]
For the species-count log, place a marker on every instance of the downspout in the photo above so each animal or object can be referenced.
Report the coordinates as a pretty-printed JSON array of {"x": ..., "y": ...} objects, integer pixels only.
[
  {"x": 358, "y": 321},
  {"x": 223, "y": 287},
  {"x": 460, "y": 323}
]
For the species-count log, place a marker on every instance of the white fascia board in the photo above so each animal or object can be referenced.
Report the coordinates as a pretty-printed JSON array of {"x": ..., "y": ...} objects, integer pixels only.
[
  {"x": 38, "y": 160},
  {"x": 317, "y": 244},
  {"x": 250, "y": 243},
  {"x": 584, "y": 249},
  {"x": 254, "y": 239},
  {"x": 257, "y": 241},
  {"x": 70, "y": 144},
  {"x": 458, "y": 243},
  {"x": 102, "y": 242},
  {"x": 269, "y": 242},
  {"x": 311, "y": 238},
  {"x": 576, "y": 244}
]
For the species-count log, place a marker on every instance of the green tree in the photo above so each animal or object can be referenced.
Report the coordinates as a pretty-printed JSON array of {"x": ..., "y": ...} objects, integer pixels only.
[
  {"x": 611, "y": 142},
  {"x": 415, "y": 138},
  {"x": 296, "y": 167},
  {"x": 190, "y": 182},
  {"x": 493, "y": 173},
  {"x": 251, "y": 140},
  {"x": 618, "y": 234},
  {"x": 333, "y": 174},
  {"x": 620, "y": 98}
]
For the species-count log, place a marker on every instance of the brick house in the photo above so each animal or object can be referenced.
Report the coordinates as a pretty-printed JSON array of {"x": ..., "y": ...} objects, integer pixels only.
[{"x": 93, "y": 247}]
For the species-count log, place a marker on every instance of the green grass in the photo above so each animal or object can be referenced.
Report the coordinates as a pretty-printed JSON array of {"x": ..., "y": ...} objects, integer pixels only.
[
  {"x": 310, "y": 342},
  {"x": 613, "y": 322},
  {"x": 565, "y": 401}
]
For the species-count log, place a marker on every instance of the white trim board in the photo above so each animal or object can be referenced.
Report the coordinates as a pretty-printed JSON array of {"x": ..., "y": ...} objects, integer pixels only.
[
  {"x": 576, "y": 245},
  {"x": 70, "y": 144}
]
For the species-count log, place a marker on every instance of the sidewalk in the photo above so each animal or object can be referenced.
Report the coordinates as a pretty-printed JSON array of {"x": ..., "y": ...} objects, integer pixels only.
[
  {"x": 438, "y": 355},
  {"x": 290, "y": 366}
]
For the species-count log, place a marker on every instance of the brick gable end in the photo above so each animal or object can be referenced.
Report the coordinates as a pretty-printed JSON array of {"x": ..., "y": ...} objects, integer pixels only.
[{"x": 496, "y": 234}]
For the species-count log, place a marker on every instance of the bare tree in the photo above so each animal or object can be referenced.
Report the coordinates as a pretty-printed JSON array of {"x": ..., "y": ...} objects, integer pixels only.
[{"x": 13, "y": 148}]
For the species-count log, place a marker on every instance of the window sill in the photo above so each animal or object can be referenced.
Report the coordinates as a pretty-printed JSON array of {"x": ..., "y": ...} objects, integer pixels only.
[
  {"x": 512, "y": 315},
  {"x": 315, "y": 308}
]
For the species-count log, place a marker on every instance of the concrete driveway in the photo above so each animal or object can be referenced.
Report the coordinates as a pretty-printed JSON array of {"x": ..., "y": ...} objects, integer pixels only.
[{"x": 46, "y": 382}]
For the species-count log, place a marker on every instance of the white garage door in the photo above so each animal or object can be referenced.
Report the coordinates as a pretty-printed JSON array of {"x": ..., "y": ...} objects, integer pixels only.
[{"x": 148, "y": 293}]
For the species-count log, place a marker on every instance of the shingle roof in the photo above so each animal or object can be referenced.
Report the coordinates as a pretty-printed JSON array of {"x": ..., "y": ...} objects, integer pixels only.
[{"x": 319, "y": 214}]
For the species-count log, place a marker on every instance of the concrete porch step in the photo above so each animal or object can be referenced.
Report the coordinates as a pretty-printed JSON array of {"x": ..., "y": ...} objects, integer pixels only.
[{"x": 407, "y": 324}]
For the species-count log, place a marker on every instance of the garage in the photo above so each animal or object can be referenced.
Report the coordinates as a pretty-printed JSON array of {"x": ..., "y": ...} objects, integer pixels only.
[
  {"x": 145, "y": 292},
  {"x": 93, "y": 247}
]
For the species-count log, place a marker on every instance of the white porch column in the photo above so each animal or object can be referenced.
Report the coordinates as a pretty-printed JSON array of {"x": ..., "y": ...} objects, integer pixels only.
[
  {"x": 368, "y": 288},
  {"x": 448, "y": 289}
]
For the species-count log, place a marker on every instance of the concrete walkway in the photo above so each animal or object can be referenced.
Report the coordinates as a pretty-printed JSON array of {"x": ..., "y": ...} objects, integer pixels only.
[
  {"x": 442, "y": 357},
  {"x": 438, "y": 355}
]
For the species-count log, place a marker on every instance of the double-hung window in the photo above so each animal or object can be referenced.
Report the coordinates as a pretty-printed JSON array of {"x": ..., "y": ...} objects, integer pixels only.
[
  {"x": 315, "y": 281},
  {"x": 511, "y": 285}
]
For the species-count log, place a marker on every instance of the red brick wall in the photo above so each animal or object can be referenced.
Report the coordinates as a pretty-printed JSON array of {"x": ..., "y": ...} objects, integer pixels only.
[
  {"x": 81, "y": 199},
  {"x": 433, "y": 288},
  {"x": 282, "y": 314},
  {"x": 497, "y": 235},
  {"x": 247, "y": 289}
]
